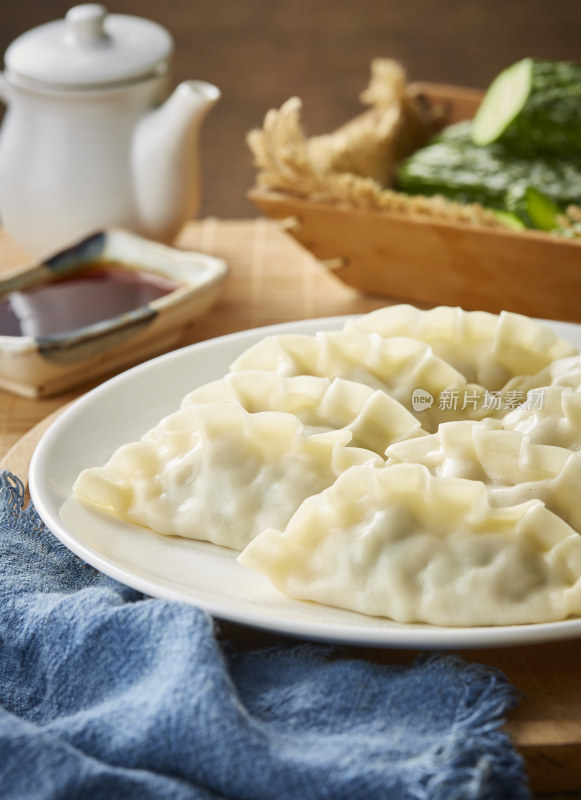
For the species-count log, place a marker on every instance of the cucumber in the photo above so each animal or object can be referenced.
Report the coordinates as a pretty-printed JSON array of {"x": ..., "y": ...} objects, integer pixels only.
[
  {"x": 458, "y": 132},
  {"x": 532, "y": 207},
  {"x": 509, "y": 219},
  {"x": 470, "y": 174},
  {"x": 457, "y": 172},
  {"x": 532, "y": 108}
]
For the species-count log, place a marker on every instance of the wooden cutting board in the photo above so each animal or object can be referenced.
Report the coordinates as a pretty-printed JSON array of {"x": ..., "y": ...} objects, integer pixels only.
[{"x": 546, "y": 727}]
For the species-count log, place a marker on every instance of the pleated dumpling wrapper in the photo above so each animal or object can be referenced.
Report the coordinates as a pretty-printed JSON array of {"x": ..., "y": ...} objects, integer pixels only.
[
  {"x": 565, "y": 372},
  {"x": 399, "y": 366},
  {"x": 488, "y": 349},
  {"x": 555, "y": 419},
  {"x": 397, "y": 542},
  {"x": 374, "y": 419},
  {"x": 513, "y": 469},
  {"x": 217, "y": 473}
]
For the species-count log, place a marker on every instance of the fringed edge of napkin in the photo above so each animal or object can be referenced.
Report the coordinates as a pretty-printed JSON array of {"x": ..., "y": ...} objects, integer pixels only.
[
  {"x": 14, "y": 507},
  {"x": 477, "y": 738}
]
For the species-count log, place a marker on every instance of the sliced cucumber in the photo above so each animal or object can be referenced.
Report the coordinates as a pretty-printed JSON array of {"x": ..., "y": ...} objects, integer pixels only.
[
  {"x": 532, "y": 207},
  {"x": 458, "y": 132},
  {"x": 532, "y": 108},
  {"x": 509, "y": 218},
  {"x": 502, "y": 103}
]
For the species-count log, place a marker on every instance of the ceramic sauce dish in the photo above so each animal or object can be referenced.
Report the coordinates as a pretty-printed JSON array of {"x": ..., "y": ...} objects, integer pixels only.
[{"x": 111, "y": 300}]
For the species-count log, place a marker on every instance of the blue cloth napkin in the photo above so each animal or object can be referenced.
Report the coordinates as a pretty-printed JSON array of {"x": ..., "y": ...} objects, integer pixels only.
[{"x": 106, "y": 693}]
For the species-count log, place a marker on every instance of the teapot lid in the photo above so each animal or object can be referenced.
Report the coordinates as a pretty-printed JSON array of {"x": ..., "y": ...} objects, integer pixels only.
[{"x": 90, "y": 48}]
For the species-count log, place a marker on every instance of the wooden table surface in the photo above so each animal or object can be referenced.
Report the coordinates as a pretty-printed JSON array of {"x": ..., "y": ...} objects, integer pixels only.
[{"x": 273, "y": 280}]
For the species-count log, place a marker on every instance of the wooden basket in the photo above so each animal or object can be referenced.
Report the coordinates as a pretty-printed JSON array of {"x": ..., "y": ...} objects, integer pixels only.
[{"x": 432, "y": 261}]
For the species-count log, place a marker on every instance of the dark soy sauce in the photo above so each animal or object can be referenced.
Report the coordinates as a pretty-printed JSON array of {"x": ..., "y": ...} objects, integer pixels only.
[{"x": 98, "y": 291}]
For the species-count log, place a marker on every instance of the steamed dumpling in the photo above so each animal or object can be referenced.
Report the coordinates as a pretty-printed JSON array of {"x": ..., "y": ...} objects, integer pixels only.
[
  {"x": 513, "y": 469},
  {"x": 488, "y": 349},
  {"x": 397, "y": 366},
  {"x": 565, "y": 372},
  {"x": 217, "y": 473},
  {"x": 399, "y": 543},
  {"x": 374, "y": 419},
  {"x": 555, "y": 419}
]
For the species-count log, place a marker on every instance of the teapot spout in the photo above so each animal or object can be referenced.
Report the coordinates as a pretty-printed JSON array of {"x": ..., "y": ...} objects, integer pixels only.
[{"x": 165, "y": 160}]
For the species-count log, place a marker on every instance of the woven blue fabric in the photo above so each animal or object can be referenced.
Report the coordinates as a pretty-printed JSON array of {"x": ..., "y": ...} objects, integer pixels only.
[{"x": 105, "y": 693}]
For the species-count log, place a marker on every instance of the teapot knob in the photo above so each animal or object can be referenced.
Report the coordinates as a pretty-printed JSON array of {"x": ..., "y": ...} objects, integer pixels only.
[{"x": 86, "y": 22}]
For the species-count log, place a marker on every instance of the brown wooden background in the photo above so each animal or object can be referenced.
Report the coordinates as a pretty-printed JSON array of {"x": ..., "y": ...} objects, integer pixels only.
[{"x": 260, "y": 52}]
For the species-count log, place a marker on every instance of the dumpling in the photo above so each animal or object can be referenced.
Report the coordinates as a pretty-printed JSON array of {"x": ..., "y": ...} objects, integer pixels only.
[
  {"x": 374, "y": 419},
  {"x": 215, "y": 472},
  {"x": 554, "y": 418},
  {"x": 449, "y": 453},
  {"x": 514, "y": 469},
  {"x": 397, "y": 542},
  {"x": 564, "y": 372},
  {"x": 488, "y": 349},
  {"x": 398, "y": 366}
]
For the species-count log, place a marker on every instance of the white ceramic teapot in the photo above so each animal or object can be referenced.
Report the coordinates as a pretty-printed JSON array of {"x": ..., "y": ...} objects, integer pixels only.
[{"x": 89, "y": 140}]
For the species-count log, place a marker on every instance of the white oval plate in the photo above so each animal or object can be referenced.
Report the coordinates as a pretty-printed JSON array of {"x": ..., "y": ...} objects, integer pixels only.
[{"x": 121, "y": 410}]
